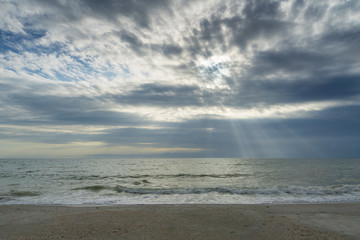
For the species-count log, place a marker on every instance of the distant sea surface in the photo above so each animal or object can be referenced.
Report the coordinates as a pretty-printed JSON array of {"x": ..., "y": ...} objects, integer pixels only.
[{"x": 178, "y": 181}]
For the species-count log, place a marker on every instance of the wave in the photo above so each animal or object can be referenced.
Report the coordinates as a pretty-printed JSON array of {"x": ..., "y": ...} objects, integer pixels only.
[
  {"x": 93, "y": 188},
  {"x": 207, "y": 175},
  {"x": 277, "y": 190},
  {"x": 14, "y": 193},
  {"x": 160, "y": 176},
  {"x": 86, "y": 177}
]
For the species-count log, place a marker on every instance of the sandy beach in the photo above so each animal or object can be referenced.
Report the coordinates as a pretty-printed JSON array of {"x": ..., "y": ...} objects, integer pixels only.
[{"x": 296, "y": 221}]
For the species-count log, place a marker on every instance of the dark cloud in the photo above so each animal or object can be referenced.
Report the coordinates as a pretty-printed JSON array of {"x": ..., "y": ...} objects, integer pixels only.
[
  {"x": 331, "y": 133},
  {"x": 215, "y": 31},
  {"x": 269, "y": 92},
  {"x": 54, "y": 110},
  {"x": 66, "y": 11},
  {"x": 261, "y": 21},
  {"x": 344, "y": 40},
  {"x": 292, "y": 60},
  {"x": 167, "y": 49},
  {"x": 297, "y": 6},
  {"x": 244, "y": 31},
  {"x": 211, "y": 30},
  {"x": 303, "y": 137},
  {"x": 133, "y": 41},
  {"x": 348, "y": 36},
  {"x": 137, "y": 10},
  {"x": 161, "y": 95},
  {"x": 140, "y": 48},
  {"x": 315, "y": 13},
  {"x": 96, "y": 117},
  {"x": 261, "y": 9}
]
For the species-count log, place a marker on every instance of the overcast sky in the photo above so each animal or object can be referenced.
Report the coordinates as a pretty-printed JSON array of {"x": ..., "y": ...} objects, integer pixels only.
[{"x": 255, "y": 78}]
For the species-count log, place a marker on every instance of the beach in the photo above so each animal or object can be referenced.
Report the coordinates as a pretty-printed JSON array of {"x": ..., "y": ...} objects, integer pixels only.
[
  {"x": 200, "y": 221},
  {"x": 179, "y": 199}
]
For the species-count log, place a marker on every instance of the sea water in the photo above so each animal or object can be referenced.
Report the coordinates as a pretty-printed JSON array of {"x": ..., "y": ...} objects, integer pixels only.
[{"x": 178, "y": 181}]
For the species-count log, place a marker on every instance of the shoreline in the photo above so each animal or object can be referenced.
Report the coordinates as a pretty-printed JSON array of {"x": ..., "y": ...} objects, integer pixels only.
[
  {"x": 94, "y": 205},
  {"x": 177, "y": 204},
  {"x": 181, "y": 221}
]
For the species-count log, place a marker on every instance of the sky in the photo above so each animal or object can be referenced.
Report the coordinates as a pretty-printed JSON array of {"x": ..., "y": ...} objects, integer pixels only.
[{"x": 214, "y": 78}]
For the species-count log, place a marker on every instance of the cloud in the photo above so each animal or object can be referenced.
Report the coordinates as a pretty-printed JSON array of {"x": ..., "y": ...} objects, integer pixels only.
[
  {"x": 133, "y": 41},
  {"x": 280, "y": 91},
  {"x": 161, "y": 95},
  {"x": 138, "y": 11},
  {"x": 156, "y": 71},
  {"x": 71, "y": 110}
]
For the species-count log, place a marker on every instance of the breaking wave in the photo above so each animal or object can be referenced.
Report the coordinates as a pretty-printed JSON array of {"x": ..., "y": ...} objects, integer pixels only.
[
  {"x": 14, "y": 193},
  {"x": 93, "y": 188},
  {"x": 161, "y": 176},
  {"x": 278, "y": 190}
]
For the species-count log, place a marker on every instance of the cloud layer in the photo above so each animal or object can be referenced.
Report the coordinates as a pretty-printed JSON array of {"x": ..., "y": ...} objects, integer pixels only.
[{"x": 254, "y": 78}]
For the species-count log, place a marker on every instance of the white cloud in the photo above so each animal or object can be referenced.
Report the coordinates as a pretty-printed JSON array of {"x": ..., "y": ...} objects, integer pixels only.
[{"x": 173, "y": 62}]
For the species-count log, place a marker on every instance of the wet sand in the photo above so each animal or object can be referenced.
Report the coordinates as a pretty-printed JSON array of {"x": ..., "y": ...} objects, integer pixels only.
[{"x": 296, "y": 221}]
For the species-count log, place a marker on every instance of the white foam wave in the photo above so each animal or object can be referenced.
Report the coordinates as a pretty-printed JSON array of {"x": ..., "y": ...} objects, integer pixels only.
[{"x": 277, "y": 190}]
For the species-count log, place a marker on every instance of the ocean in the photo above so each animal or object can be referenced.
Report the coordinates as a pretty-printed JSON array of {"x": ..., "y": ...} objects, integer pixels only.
[{"x": 106, "y": 181}]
